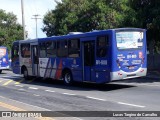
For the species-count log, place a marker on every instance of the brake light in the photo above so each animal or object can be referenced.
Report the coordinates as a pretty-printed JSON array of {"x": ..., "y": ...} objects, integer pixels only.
[
  {"x": 4, "y": 59},
  {"x": 120, "y": 74},
  {"x": 140, "y": 55},
  {"x": 142, "y": 70}
]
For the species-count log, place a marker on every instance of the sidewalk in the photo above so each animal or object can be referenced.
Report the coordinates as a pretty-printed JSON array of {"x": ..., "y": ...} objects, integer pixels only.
[{"x": 153, "y": 74}]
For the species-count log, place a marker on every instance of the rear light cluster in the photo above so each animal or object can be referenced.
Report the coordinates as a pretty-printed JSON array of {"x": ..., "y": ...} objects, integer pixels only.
[
  {"x": 4, "y": 60},
  {"x": 142, "y": 70},
  {"x": 120, "y": 74},
  {"x": 141, "y": 57}
]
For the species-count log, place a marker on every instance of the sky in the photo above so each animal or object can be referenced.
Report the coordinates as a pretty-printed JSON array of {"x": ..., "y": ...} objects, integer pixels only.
[{"x": 31, "y": 7}]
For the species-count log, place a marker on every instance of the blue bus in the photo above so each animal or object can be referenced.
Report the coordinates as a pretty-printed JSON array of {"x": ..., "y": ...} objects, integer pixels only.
[
  {"x": 4, "y": 59},
  {"x": 99, "y": 56}
]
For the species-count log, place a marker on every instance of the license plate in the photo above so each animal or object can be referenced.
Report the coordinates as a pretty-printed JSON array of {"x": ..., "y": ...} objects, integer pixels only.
[{"x": 131, "y": 67}]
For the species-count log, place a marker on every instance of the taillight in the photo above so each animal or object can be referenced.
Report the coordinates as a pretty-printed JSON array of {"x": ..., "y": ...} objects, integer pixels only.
[
  {"x": 120, "y": 74},
  {"x": 4, "y": 59},
  {"x": 140, "y": 55}
]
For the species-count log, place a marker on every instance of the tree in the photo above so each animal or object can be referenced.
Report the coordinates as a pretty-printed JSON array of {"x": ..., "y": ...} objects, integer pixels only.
[
  {"x": 149, "y": 18},
  {"x": 88, "y": 15},
  {"x": 10, "y": 30}
]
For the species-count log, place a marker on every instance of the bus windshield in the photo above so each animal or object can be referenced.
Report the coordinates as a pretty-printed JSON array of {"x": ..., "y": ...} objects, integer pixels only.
[
  {"x": 129, "y": 40},
  {"x": 2, "y": 52}
]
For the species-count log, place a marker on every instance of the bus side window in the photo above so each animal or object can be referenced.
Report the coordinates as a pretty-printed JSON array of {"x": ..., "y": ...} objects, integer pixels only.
[
  {"x": 62, "y": 48},
  {"x": 51, "y": 49},
  {"x": 15, "y": 50},
  {"x": 74, "y": 48},
  {"x": 102, "y": 43},
  {"x": 42, "y": 49},
  {"x": 25, "y": 50}
]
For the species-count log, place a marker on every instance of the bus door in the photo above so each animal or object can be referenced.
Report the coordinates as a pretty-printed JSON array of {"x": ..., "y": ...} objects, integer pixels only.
[
  {"x": 35, "y": 60},
  {"x": 88, "y": 58}
]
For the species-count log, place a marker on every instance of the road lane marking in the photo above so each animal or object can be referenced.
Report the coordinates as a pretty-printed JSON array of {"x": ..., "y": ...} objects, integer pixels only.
[
  {"x": 26, "y": 104},
  {"x": 19, "y": 85},
  {"x": 6, "y": 83},
  {"x": 131, "y": 104},
  {"x": 33, "y": 88},
  {"x": 36, "y": 95},
  {"x": 43, "y": 109},
  {"x": 19, "y": 82},
  {"x": 95, "y": 98},
  {"x": 49, "y": 91},
  {"x": 14, "y": 108},
  {"x": 21, "y": 89},
  {"x": 10, "y": 107},
  {"x": 68, "y": 94}
]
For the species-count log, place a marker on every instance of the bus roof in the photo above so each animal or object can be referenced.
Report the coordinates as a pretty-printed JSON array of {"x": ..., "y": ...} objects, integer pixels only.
[{"x": 75, "y": 35}]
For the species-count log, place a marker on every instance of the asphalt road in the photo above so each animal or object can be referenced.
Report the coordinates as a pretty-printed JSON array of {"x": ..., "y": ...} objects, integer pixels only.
[{"x": 140, "y": 94}]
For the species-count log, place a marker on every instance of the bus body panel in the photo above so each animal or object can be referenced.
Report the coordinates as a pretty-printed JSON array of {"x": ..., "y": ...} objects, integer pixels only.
[
  {"x": 19, "y": 61},
  {"x": 129, "y": 63},
  {"x": 4, "y": 59},
  {"x": 89, "y": 66}
]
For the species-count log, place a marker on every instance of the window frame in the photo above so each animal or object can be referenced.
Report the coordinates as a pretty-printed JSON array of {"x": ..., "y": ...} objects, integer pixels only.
[
  {"x": 27, "y": 53},
  {"x": 102, "y": 48},
  {"x": 77, "y": 48}
]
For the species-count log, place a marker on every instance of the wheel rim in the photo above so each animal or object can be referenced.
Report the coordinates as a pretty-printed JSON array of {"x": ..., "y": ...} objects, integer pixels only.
[{"x": 67, "y": 78}]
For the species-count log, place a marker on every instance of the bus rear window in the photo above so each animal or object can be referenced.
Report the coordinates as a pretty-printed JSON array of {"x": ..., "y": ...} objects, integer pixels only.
[{"x": 129, "y": 40}]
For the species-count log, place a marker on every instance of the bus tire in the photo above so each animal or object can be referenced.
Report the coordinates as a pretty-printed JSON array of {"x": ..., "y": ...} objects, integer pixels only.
[
  {"x": 0, "y": 71},
  {"x": 67, "y": 78}
]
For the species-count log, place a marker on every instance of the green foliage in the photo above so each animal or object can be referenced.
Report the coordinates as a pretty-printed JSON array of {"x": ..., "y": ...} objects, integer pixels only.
[
  {"x": 88, "y": 15},
  {"x": 148, "y": 15},
  {"x": 10, "y": 30}
]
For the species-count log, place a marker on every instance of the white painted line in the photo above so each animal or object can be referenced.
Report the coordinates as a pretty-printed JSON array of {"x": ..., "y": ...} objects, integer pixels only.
[
  {"x": 19, "y": 85},
  {"x": 33, "y": 88},
  {"x": 2, "y": 97},
  {"x": 96, "y": 98},
  {"x": 26, "y": 104},
  {"x": 21, "y": 89},
  {"x": 49, "y": 91},
  {"x": 68, "y": 94},
  {"x": 36, "y": 95},
  {"x": 131, "y": 104}
]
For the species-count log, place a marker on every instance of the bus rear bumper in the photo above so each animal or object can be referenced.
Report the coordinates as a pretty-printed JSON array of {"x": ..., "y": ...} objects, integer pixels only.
[
  {"x": 4, "y": 68},
  {"x": 119, "y": 75}
]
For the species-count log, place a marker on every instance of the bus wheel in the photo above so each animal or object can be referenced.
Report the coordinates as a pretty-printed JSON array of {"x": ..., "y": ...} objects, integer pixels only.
[
  {"x": 25, "y": 74},
  {"x": 67, "y": 77},
  {"x": 0, "y": 71}
]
